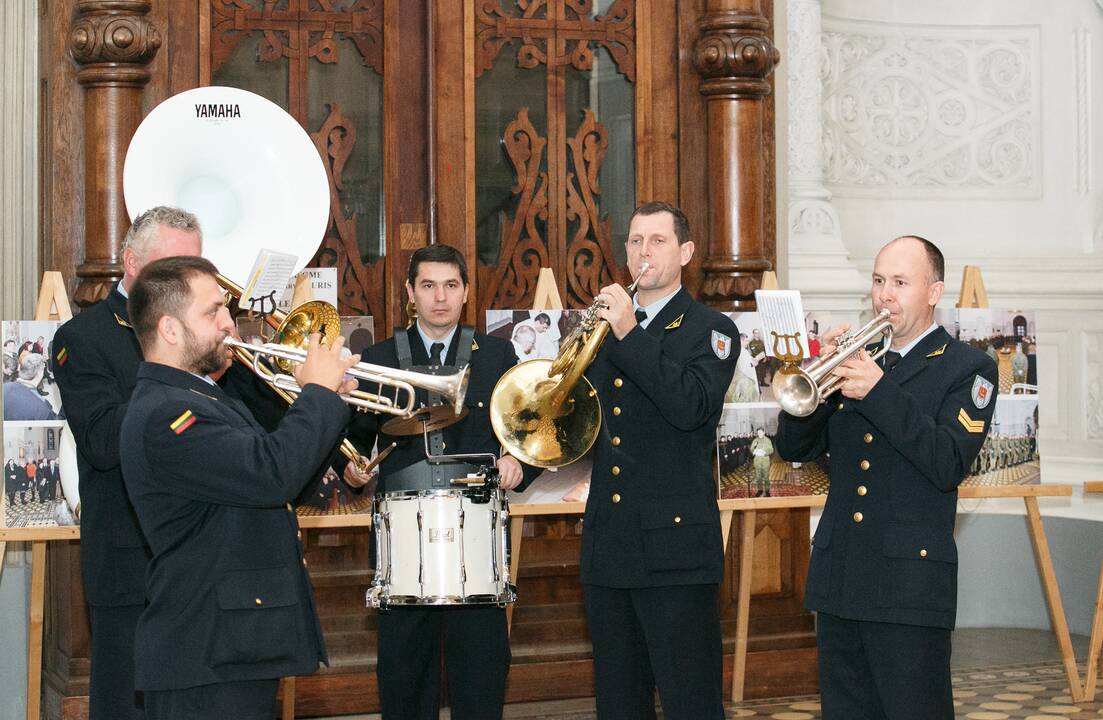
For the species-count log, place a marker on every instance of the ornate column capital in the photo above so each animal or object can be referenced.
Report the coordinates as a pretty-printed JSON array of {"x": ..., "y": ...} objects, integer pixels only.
[
  {"x": 114, "y": 41},
  {"x": 734, "y": 55}
]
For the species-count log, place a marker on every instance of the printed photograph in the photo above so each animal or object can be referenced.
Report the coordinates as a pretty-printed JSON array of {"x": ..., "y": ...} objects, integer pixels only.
[
  {"x": 748, "y": 464},
  {"x": 40, "y": 483},
  {"x": 1010, "y": 454},
  {"x": 535, "y": 334},
  {"x": 30, "y": 393}
]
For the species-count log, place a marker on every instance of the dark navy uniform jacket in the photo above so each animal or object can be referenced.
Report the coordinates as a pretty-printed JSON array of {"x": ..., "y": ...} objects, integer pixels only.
[
  {"x": 651, "y": 517},
  {"x": 491, "y": 357},
  {"x": 95, "y": 362},
  {"x": 229, "y": 595},
  {"x": 884, "y": 550}
]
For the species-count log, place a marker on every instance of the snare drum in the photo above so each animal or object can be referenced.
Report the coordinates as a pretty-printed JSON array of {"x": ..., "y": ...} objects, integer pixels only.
[{"x": 441, "y": 547}]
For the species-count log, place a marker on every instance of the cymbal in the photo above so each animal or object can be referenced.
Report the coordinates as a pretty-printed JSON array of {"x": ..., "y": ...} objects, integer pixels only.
[{"x": 427, "y": 419}]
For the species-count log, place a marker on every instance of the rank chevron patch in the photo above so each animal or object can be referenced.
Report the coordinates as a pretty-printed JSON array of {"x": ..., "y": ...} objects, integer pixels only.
[{"x": 973, "y": 426}]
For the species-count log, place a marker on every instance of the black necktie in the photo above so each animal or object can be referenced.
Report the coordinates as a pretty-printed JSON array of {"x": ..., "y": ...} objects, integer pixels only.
[
  {"x": 641, "y": 315},
  {"x": 435, "y": 357},
  {"x": 890, "y": 359}
]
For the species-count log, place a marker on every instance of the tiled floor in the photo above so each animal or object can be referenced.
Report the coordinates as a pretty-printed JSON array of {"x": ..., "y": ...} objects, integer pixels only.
[{"x": 999, "y": 674}]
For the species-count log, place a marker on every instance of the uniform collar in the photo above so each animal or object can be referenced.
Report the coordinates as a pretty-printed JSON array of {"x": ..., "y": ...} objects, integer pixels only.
[
  {"x": 670, "y": 316},
  {"x": 917, "y": 357},
  {"x": 428, "y": 344},
  {"x": 654, "y": 308},
  {"x": 116, "y": 302},
  {"x": 176, "y": 377},
  {"x": 910, "y": 346}
]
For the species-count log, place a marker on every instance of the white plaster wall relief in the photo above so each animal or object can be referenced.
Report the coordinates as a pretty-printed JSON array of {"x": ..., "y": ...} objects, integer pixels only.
[
  {"x": 1083, "y": 181},
  {"x": 1093, "y": 382},
  {"x": 805, "y": 93},
  {"x": 931, "y": 111}
]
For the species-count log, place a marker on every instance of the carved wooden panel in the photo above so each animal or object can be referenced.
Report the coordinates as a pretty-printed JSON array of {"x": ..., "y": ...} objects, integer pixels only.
[
  {"x": 298, "y": 33},
  {"x": 556, "y": 220}
]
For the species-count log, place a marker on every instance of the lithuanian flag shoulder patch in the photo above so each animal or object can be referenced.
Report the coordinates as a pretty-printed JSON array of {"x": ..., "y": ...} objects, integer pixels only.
[
  {"x": 183, "y": 422},
  {"x": 62, "y": 356}
]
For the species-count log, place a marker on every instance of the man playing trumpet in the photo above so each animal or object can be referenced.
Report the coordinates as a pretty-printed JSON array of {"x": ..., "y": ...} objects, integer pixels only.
[{"x": 902, "y": 436}]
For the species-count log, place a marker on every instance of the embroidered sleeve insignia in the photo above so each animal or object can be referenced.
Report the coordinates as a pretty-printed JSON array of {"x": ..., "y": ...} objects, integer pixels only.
[
  {"x": 971, "y": 425},
  {"x": 183, "y": 422},
  {"x": 62, "y": 356},
  {"x": 982, "y": 392},
  {"x": 721, "y": 344}
]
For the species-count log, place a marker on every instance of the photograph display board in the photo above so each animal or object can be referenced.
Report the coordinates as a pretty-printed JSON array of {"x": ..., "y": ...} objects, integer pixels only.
[
  {"x": 40, "y": 473},
  {"x": 535, "y": 334},
  {"x": 1010, "y": 454}
]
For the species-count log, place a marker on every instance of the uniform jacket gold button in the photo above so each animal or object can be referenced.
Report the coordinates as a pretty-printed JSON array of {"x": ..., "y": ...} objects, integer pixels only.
[
  {"x": 480, "y": 403},
  {"x": 677, "y": 519},
  {"x": 616, "y": 497},
  {"x": 923, "y": 552},
  {"x": 616, "y": 441},
  {"x": 864, "y": 464},
  {"x": 258, "y": 601},
  {"x": 616, "y": 411},
  {"x": 868, "y": 438},
  {"x": 840, "y": 406},
  {"x": 289, "y": 508},
  {"x": 618, "y": 382},
  {"x": 858, "y": 517},
  {"x": 862, "y": 490},
  {"x": 616, "y": 470},
  {"x": 304, "y": 562}
]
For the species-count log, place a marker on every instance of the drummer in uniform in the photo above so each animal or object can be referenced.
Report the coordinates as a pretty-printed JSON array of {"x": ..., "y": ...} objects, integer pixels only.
[{"x": 473, "y": 638}]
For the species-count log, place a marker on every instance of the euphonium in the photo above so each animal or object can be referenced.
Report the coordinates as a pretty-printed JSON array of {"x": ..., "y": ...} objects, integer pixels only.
[
  {"x": 545, "y": 412},
  {"x": 800, "y": 391}
]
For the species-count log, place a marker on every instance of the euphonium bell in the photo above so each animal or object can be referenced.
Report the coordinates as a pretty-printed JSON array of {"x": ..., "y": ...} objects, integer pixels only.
[{"x": 800, "y": 391}]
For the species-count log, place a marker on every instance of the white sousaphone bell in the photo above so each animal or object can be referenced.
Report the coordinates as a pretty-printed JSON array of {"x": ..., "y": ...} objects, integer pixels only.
[{"x": 254, "y": 180}]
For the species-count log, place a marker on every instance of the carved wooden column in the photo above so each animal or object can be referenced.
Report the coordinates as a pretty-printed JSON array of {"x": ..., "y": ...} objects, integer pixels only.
[
  {"x": 734, "y": 56},
  {"x": 113, "y": 42}
]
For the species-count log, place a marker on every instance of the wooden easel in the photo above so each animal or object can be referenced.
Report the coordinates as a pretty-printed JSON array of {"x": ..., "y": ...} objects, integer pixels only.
[
  {"x": 546, "y": 297},
  {"x": 974, "y": 295},
  {"x": 1095, "y": 645},
  {"x": 53, "y": 304}
]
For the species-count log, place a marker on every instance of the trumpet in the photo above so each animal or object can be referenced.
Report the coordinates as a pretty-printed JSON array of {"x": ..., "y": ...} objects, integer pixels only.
[
  {"x": 453, "y": 387},
  {"x": 800, "y": 391}
]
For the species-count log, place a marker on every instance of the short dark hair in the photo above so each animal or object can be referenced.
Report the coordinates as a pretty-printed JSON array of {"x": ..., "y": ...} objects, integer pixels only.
[
  {"x": 163, "y": 287},
  {"x": 440, "y": 254},
  {"x": 934, "y": 256},
  {"x": 681, "y": 224},
  {"x": 543, "y": 317}
]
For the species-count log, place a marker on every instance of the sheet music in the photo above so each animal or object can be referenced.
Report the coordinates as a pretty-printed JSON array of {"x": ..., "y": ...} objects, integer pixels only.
[{"x": 781, "y": 313}]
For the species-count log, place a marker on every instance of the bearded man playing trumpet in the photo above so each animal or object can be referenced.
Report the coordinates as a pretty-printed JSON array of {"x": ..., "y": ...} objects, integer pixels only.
[
  {"x": 902, "y": 436},
  {"x": 652, "y": 554}
]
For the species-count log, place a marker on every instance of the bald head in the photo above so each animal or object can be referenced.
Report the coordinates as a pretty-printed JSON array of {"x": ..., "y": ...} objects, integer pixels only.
[{"x": 935, "y": 259}]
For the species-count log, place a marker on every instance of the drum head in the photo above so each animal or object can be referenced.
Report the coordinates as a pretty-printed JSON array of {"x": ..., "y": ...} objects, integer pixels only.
[{"x": 244, "y": 166}]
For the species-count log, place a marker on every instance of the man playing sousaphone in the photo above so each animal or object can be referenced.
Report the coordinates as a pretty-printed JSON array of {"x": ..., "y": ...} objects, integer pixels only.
[{"x": 474, "y": 638}]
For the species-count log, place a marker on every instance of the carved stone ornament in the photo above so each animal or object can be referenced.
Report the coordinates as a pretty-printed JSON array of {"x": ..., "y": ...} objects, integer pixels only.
[
  {"x": 734, "y": 55},
  {"x": 114, "y": 31}
]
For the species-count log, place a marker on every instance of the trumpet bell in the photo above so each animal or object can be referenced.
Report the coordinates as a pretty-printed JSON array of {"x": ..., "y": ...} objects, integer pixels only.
[
  {"x": 796, "y": 392},
  {"x": 521, "y": 422}
]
